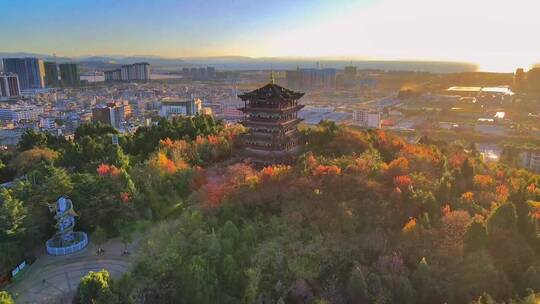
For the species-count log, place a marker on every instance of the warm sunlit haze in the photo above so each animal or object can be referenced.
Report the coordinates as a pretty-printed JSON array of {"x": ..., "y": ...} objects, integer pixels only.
[
  {"x": 270, "y": 151},
  {"x": 496, "y": 35}
]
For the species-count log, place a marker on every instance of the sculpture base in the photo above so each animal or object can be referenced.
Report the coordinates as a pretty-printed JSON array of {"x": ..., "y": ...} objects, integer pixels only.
[{"x": 55, "y": 246}]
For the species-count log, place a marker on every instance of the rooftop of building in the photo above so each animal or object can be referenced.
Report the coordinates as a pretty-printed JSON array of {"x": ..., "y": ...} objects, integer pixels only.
[
  {"x": 136, "y": 63},
  {"x": 499, "y": 115},
  {"x": 175, "y": 101},
  {"x": 464, "y": 89},
  {"x": 498, "y": 90}
]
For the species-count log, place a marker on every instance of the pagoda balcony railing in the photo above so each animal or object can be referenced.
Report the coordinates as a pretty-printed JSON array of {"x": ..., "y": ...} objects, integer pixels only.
[
  {"x": 250, "y": 108},
  {"x": 279, "y": 133},
  {"x": 270, "y": 99},
  {"x": 265, "y": 105},
  {"x": 278, "y": 140},
  {"x": 270, "y": 105},
  {"x": 270, "y": 129},
  {"x": 260, "y": 135},
  {"x": 273, "y": 136},
  {"x": 270, "y": 122},
  {"x": 276, "y": 148},
  {"x": 265, "y": 147},
  {"x": 262, "y": 119},
  {"x": 266, "y": 130}
]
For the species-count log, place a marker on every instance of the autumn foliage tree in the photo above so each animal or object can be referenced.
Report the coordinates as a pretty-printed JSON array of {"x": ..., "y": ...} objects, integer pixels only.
[{"x": 362, "y": 216}]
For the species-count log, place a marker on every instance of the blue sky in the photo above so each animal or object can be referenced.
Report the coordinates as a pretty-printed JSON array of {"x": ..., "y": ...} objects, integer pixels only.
[
  {"x": 499, "y": 35},
  {"x": 159, "y": 27}
]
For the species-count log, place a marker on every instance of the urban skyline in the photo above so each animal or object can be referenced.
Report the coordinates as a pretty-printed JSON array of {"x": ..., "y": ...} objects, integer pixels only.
[{"x": 484, "y": 32}]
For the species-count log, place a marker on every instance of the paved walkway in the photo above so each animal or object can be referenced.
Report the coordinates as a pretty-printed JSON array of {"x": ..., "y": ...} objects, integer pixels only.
[{"x": 54, "y": 279}]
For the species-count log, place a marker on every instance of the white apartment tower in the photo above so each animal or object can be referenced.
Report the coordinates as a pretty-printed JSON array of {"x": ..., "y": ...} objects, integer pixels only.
[{"x": 367, "y": 118}]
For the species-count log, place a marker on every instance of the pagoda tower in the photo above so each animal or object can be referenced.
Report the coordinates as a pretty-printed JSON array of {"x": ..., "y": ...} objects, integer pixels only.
[{"x": 271, "y": 116}]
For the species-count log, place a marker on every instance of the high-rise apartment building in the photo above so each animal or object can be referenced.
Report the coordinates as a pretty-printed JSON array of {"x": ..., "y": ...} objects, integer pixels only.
[
  {"x": 51, "y": 73},
  {"x": 211, "y": 72},
  {"x": 124, "y": 72},
  {"x": 113, "y": 75},
  {"x": 306, "y": 79},
  {"x": 349, "y": 79},
  {"x": 36, "y": 73},
  {"x": 9, "y": 85},
  {"x": 69, "y": 74},
  {"x": 368, "y": 118},
  {"x": 533, "y": 81},
  {"x": 17, "y": 66},
  {"x": 207, "y": 73},
  {"x": 530, "y": 159},
  {"x": 129, "y": 72},
  {"x": 141, "y": 71},
  {"x": 31, "y": 71}
]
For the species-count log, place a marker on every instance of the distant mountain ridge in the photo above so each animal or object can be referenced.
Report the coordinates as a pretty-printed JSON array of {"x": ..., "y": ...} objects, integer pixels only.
[
  {"x": 101, "y": 62},
  {"x": 104, "y": 62}
]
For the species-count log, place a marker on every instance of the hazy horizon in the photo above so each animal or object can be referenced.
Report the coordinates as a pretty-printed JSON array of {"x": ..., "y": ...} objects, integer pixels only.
[
  {"x": 491, "y": 34},
  {"x": 242, "y": 63}
]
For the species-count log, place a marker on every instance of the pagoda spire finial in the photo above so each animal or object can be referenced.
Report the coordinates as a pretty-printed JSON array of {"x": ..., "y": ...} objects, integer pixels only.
[{"x": 272, "y": 78}]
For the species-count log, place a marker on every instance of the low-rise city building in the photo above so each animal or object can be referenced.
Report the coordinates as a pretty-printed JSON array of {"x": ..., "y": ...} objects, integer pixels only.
[
  {"x": 187, "y": 107},
  {"x": 113, "y": 114},
  {"x": 530, "y": 159},
  {"x": 18, "y": 112}
]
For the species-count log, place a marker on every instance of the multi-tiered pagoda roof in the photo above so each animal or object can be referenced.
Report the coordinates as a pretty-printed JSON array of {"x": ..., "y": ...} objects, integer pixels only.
[
  {"x": 272, "y": 91},
  {"x": 271, "y": 116}
]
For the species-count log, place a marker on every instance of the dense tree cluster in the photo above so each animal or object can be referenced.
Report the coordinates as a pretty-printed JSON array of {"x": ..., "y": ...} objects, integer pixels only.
[
  {"x": 96, "y": 287},
  {"x": 146, "y": 139},
  {"x": 97, "y": 175},
  {"x": 5, "y": 298},
  {"x": 361, "y": 217}
]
